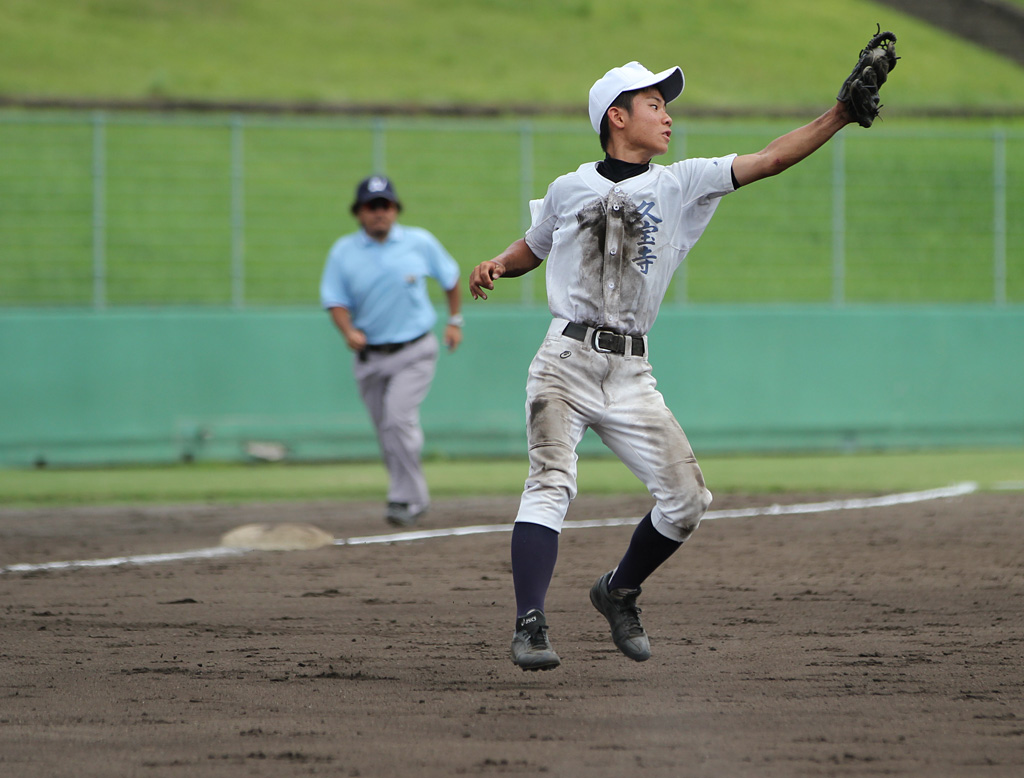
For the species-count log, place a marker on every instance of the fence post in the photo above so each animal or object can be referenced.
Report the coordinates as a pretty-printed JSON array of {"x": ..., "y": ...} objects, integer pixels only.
[
  {"x": 237, "y": 212},
  {"x": 525, "y": 193},
  {"x": 99, "y": 210},
  {"x": 838, "y": 220},
  {"x": 379, "y": 161},
  {"x": 681, "y": 278},
  {"x": 999, "y": 217}
]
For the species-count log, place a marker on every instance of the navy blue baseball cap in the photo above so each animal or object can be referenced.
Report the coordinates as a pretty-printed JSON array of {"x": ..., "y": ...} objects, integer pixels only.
[{"x": 375, "y": 188}]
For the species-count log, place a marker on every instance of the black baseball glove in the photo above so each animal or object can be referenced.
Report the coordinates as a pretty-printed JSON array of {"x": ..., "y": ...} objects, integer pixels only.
[{"x": 860, "y": 90}]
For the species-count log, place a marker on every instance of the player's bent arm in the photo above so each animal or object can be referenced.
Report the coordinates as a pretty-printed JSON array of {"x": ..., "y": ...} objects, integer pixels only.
[
  {"x": 787, "y": 150},
  {"x": 514, "y": 261},
  {"x": 518, "y": 259},
  {"x": 355, "y": 338}
]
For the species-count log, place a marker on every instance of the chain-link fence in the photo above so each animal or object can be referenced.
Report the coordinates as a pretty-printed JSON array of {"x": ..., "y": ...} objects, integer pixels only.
[{"x": 108, "y": 210}]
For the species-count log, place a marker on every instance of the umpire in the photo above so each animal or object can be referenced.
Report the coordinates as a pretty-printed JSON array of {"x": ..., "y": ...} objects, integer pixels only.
[{"x": 374, "y": 288}]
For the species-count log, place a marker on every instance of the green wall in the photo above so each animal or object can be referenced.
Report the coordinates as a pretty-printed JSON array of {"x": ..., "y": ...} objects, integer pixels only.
[{"x": 119, "y": 386}]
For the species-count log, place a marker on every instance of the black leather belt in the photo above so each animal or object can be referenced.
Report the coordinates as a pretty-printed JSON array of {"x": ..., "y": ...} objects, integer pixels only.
[
  {"x": 605, "y": 341},
  {"x": 391, "y": 348}
]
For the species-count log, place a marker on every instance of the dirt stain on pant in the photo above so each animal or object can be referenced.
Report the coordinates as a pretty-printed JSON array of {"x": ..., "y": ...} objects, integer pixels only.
[{"x": 552, "y": 459}]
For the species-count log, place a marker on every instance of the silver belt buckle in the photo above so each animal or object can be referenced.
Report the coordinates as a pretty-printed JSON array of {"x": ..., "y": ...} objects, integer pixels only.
[{"x": 596, "y": 341}]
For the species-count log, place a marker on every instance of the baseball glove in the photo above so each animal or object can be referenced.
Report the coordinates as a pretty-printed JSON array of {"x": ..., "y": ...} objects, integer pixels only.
[{"x": 860, "y": 90}]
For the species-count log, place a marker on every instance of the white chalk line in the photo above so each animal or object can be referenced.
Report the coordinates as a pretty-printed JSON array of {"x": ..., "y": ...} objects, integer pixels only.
[
  {"x": 140, "y": 559},
  {"x": 865, "y": 503}
]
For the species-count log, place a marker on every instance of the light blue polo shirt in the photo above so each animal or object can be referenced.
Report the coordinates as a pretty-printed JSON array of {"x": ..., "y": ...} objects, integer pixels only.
[{"x": 383, "y": 285}]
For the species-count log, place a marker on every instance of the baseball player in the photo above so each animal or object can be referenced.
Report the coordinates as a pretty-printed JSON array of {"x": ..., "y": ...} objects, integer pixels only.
[
  {"x": 613, "y": 233},
  {"x": 374, "y": 288}
]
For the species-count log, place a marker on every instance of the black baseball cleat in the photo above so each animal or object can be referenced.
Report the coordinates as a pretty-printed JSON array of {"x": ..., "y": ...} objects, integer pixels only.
[
  {"x": 531, "y": 649},
  {"x": 620, "y": 608}
]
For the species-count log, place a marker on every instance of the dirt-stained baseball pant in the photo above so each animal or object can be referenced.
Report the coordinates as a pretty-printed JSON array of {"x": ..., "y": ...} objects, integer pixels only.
[
  {"x": 393, "y": 386},
  {"x": 571, "y": 387}
]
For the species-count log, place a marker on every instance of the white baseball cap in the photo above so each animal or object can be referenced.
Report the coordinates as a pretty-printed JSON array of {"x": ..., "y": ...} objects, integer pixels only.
[{"x": 631, "y": 76}]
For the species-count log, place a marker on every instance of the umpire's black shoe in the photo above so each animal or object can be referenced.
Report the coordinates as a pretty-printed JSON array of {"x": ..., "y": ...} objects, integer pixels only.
[
  {"x": 619, "y": 607},
  {"x": 531, "y": 649},
  {"x": 401, "y": 514}
]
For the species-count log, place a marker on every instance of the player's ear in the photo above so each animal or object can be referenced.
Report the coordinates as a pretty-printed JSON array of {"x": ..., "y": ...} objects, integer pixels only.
[{"x": 617, "y": 117}]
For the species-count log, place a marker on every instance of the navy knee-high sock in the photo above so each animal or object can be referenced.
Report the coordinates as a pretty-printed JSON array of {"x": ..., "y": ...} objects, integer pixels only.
[
  {"x": 534, "y": 552},
  {"x": 648, "y": 548}
]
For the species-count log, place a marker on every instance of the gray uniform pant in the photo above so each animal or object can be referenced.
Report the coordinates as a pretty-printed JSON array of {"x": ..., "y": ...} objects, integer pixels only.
[
  {"x": 572, "y": 388},
  {"x": 392, "y": 387}
]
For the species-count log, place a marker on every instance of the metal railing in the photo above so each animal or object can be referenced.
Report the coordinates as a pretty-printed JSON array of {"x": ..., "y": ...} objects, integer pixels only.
[{"x": 106, "y": 210}]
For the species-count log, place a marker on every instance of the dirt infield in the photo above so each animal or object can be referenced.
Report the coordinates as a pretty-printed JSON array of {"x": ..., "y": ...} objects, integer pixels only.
[{"x": 885, "y": 641}]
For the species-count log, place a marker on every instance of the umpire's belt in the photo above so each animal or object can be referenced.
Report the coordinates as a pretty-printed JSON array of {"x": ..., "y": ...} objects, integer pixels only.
[
  {"x": 605, "y": 341},
  {"x": 391, "y": 348}
]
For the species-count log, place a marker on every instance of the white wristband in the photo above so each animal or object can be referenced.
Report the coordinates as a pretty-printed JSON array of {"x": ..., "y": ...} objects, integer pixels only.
[{"x": 456, "y": 320}]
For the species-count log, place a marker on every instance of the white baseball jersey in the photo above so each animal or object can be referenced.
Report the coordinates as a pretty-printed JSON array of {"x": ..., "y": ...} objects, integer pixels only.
[
  {"x": 612, "y": 248},
  {"x": 611, "y": 251}
]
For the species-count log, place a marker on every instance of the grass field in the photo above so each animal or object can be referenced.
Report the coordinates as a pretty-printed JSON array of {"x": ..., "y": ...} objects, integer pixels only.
[
  {"x": 991, "y": 469},
  {"x": 497, "y": 52},
  {"x": 143, "y": 210}
]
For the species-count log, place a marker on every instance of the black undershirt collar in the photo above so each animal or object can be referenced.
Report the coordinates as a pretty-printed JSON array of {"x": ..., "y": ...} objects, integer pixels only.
[{"x": 616, "y": 170}]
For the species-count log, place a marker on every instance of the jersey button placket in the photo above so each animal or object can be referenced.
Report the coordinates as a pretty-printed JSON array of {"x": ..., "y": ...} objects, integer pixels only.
[{"x": 613, "y": 260}]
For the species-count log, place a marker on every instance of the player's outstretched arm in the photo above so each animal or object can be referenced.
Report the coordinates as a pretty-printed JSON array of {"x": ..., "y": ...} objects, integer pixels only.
[
  {"x": 858, "y": 101},
  {"x": 786, "y": 151},
  {"x": 514, "y": 261}
]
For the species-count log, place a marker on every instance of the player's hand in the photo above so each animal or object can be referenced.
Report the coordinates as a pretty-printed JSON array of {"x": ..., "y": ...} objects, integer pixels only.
[
  {"x": 843, "y": 112},
  {"x": 483, "y": 277}
]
